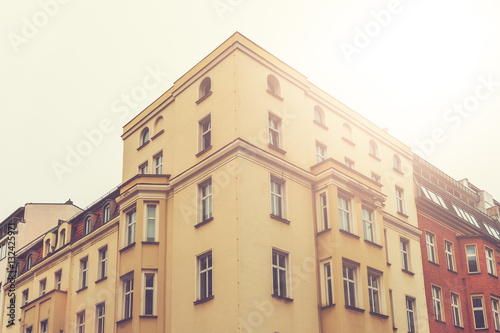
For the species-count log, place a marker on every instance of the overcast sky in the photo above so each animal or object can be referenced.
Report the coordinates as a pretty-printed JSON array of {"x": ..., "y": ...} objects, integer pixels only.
[{"x": 429, "y": 71}]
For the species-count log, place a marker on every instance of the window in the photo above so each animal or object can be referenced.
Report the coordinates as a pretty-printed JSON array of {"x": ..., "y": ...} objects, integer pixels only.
[
  {"x": 490, "y": 263},
  {"x": 130, "y": 228},
  {"x": 158, "y": 161},
  {"x": 205, "y": 197},
  {"x": 277, "y": 197},
  {"x": 455, "y": 310},
  {"x": 29, "y": 329},
  {"x": 275, "y": 131},
  {"x": 328, "y": 284},
  {"x": 205, "y": 133},
  {"x": 396, "y": 163},
  {"x": 25, "y": 296},
  {"x": 349, "y": 163},
  {"x": 100, "y": 314},
  {"x": 143, "y": 169},
  {"x": 320, "y": 152},
  {"x": 344, "y": 214},
  {"x": 106, "y": 213},
  {"x": 472, "y": 263},
  {"x": 347, "y": 132},
  {"x": 372, "y": 149},
  {"x": 158, "y": 125},
  {"x": 374, "y": 292},
  {"x": 376, "y": 177},
  {"x": 47, "y": 247},
  {"x": 144, "y": 136},
  {"x": 3, "y": 250},
  {"x": 450, "y": 256},
  {"x": 319, "y": 115},
  {"x": 205, "y": 276},
  {"x": 323, "y": 212},
  {"x": 151, "y": 223},
  {"x": 102, "y": 269},
  {"x": 43, "y": 287},
  {"x": 368, "y": 224},
  {"x": 478, "y": 312},
  {"x": 436, "y": 302},
  {"x": 430, "y": 239},
  {"x": 410, "y": 314},
  {"x": 496, "y": 314},
  {"x": 405, "y": 257},
  {"x": 349, "y": 274},
  {"x": 44, "y": 326},
  {"x": 280, "y": 273},
  {"x": 29, "y": 262},
  {"x": 273, "y": 86},
  {"x": 57, "y": 280},
  {"x": 62, "y": 240},
  {"x": 400, "y": 200},
  {"x": 84, "y": 266},
  {"x": 87, "y": 226},
  {"x": 149, "y": 291},
  {"x": 205, "y": 87},
  {"x": 80, "y": 321},
  {"x": 128, "y": 296}
]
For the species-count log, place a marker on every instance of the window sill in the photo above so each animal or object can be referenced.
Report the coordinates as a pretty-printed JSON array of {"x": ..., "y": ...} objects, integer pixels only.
[
  {"x": 394, "y": 328},
  {"x": 355, "y": 308},
  {"x": 143, "y": 145},
  {"x": 374, "y": 157},
  {"x": 278, "y": 149},
  {"x": 320, "y": 124},
  {"x": 203, "y": 151},
  {"x": 279, "y": 218},
  {"x": 157, "y": 134},
  {"x": 348, "y": 233},
  {"x": 274, "y": 95},
  {"x": 434, "y": 263},
  {"x": 327, "y": 306},
  {"x": 402, "y": 214},
  {"x": 474, "y": 273},
  {"x": 407, "y": 271},
  {"x": 150, "y": 242},
  {"x": 379, "y": 315},
  {"x": 461, "y": 327},
  {"x": 204, "y": 98},
  {"x": 124, "y": 320},
  {"x": 148, "y": 316},
  {"x": 101, "y": 279},
  {"x": 348, "y": 141},
  {"x": 81, "y": 289},
  {"x": 398, "y": 171},
  {"x": 131, "y": 245},
  {"x": 286, "y": 299},
  {"x": 206, "y": 299},
  {"x": 373, "y": 243},
  {"x": 203, "y": 222},
  {"x": 493, "y": 275},
  {"x": 323, "y": 231},
  {"x": 452, "y": 271},
  {"x": 440, "y": 321}
]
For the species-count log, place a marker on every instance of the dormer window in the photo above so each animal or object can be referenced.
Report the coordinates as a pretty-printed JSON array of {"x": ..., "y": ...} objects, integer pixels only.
[
  {"x": 87, "y": 226},
  {"x": 106, "y": 213},
  {"x": 29, "y": 262},
  {"x": 47, "y": 247}
]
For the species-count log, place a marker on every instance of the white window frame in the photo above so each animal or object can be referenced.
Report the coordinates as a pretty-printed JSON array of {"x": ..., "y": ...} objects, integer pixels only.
[
  {"x": 349, "y": 163},
  {"x": 479, "y": 308},
  {"x": 430, "y": 240},
  {"x": 58, "y": 279},
  {"x": 62, "y": 235},
  {"x": 275, "y": 129},
  {"x": 321, "y": 150},
  {"x": 152, "y": 289},
  {"x": 87, "y": 225},
  {"x": 151, "y": 222},
  {"x": 26, "y": 296},
  {"x": 319, "y": 116},
  {"x": 437, "y": 302},
  {"x": 44, "y": 326},
  {"x": 131, "y": 218},
  {"x": 80, "y": 322},
  {"x": 84, "y": 273},
  {"x": 456, "y": 309},
  {"x": 128, "y": 296},
  {"x": 400, "y": 200},
  {"x": 495, "y": 309},
  {"x": 42, "y": 286},
  {"x": 158, "y": 163},
  {"x": 368, "y": 217},
  {"x": 323, "y": 211},
  {"x": 281, "y": 274},
  {"x": 345, "y": 213},
  {"x": 327, "y": 291},
  {"x": 476, "y": 259},
  {"x": 450, "y": 255},
  {"x": 205, "y": 282},
  {"x": 143, "y": 168},
  {"x": 100, "y": 317},
  {"x": 411, "y": 314},
  {"x": 374, "y": 292},
  {"x": 205, "y": 133},
  {"x": 278, "y": 198},
  {"x": 490, "y": 260},
  {"x": 102, "y": 269},
  {"x": 352, "y": 284},
  {"x": 106, "y": 213},
  {"x": 205, "y": 200},
  {"x": 404, "y": 245},
  {"x": 373, "y": 149},
  {"x": 3, "y": 250}
]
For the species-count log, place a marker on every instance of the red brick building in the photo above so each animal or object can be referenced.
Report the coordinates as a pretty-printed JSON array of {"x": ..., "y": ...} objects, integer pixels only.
[{"x": 460, "y": 246}]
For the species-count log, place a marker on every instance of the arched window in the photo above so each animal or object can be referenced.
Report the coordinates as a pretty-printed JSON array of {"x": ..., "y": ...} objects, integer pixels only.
[
  {"x": 319, "y": 115},
  {"x": 62, "y": 237},
  {"x": 29, "y": 262},
  {"x": 205, "y": 87},
  {"x": 273, "y": 85},
  {"x": 396, "y": 163},
  {"x": 87, "y": 226},
  {"x": 158, "y": 125},
  {"x": 347, "y": 132},
  {"x": 106, "y": 213},
  {"x": 144, "y": 136},
  {"x": 372, "y": 148}
]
